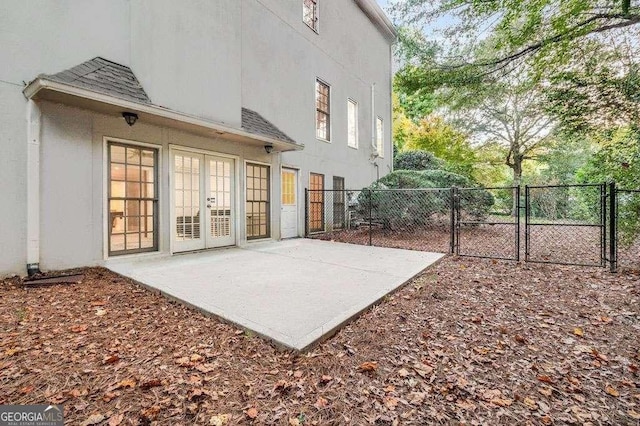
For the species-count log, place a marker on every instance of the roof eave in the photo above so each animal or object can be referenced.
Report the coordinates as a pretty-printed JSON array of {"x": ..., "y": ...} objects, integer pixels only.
[
  {"x": 42, "y": 84},
  {"x": 375, "y": 13}
]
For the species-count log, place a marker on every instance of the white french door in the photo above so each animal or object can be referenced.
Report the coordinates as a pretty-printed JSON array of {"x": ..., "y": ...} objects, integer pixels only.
[{"x": 203, "y": 201}]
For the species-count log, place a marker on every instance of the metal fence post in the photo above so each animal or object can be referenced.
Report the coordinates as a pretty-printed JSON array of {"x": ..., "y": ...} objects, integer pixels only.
[
  {"x": 517, "y": 195},
  {"x": 452, "y": 219},
  {"x": 613, "y": 223},
  {"x": 370, "y": 217},
  {"x": 306, "y": 212},
  {"x": 527, "y": 213}
]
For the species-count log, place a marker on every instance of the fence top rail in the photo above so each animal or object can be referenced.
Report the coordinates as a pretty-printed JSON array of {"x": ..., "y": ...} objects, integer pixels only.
[
  {"x": 573, "y": 185},
  {"x": 637, "y": 191},
  {"x": 379, "y": 190},
  {"x": 489, "y": 188}
]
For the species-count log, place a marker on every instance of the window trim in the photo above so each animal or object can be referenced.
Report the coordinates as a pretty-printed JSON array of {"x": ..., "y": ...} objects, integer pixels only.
[
  {"x": 353, "y": 102},
  {"x": 380, "y": 137},
  {"x": 317, "y": 17},
  {"x": 107, "y": 143},
  {"x": 316, "y": 110},
  {"x": 269, "y": 202}
]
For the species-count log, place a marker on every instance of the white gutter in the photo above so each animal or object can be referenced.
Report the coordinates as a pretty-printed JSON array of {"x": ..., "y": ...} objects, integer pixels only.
[
  {"x": 379, "y": 18},
  {"x": 41, "y": 83},
  {"x": 33, "y": 187}
]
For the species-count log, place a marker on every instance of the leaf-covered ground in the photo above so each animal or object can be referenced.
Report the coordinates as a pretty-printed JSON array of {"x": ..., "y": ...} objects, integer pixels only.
[{"x": 469, "y": 341}]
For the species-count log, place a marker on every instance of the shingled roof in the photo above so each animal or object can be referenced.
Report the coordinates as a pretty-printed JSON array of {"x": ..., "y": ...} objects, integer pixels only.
[
  {"x": 103, "y": 76},
  {"x": 253, "y": 122}
]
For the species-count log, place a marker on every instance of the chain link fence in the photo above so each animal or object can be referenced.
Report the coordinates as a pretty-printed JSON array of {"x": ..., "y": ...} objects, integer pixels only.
[
  {"x": 414, "y": 219},
  {"x": 566, "y": 224},
  {"x": 587, "y": 225},
  {"x": 627, "y": 216}
]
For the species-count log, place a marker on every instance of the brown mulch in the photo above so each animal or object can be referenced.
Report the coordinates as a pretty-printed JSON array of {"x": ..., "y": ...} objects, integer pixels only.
[{"x": 469, "y": 341}]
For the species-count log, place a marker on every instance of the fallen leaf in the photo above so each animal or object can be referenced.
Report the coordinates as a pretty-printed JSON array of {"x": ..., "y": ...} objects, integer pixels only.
[
  {"x": 321, "y": 403},
  {"x": 111, "y": 359},
  {"x": 252, "y": 413},
  {"x": 368, "y": 366},
  {"x": 546, "y": 420},
  {"x": 634, "y": 414},
  {"x": 325, "y": 379},
  {"x": 545, "y": 391},
  {"x": 196, "y": 358},
  {"x": 293, "y": 421},
  {"x": 93, "y": 419},
  {"x": 501, "y": 402},
  {"x": 101, "y": 312},
  {"x": 545, "y": 379},
  {"x": 151, "y": 413},
  {"x": 578, "y": 332},
  {"x": 297, "y": 374},
  {"x": 606, "y": 319},
  {"x": 126, "y": 383},
  {"x": 27, "y": 389},
  {"x": 403, "y": 372},
  {"x": 530, "y": 403},
  {"x": 611, "y": 391},
  {"x": 151, "y": 384},
  {"x": 78, "y": 328},
  {"x": 116, "y": 420},
  {"x": 219, "y": 420},
  {"x": 390, "y": 402},
  {"x": 518, "y": 338},
  {"x": 98, "y": 303},
  {"x": 416, "y": 398}
]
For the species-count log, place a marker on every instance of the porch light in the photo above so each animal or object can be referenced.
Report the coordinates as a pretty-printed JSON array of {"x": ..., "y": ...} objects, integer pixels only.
[
  {"x": 268, "y": 147},
  {"x": 130, "y": 118}
]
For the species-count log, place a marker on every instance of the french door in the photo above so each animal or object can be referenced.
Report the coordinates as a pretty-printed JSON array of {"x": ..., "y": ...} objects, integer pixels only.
[{"x": 203, "y": 201}]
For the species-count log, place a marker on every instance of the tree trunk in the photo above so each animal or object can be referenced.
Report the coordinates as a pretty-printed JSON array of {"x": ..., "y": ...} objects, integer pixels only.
[{"x": 516, "y": 167}]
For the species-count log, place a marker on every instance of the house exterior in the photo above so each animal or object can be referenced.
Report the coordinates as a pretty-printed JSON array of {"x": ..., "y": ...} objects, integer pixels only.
[{"x": 153, "y": 127}]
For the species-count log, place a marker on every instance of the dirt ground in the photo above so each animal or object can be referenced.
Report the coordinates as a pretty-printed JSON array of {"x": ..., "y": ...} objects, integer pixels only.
[
  {"x": 557, "y": 243},
  {"x": 469, "y": 341}
]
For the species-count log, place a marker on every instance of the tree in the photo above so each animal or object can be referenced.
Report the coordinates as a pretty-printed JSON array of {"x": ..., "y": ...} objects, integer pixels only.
[
  {"x": 539, "y": 30},
  {"x": 584, "y": 52}
]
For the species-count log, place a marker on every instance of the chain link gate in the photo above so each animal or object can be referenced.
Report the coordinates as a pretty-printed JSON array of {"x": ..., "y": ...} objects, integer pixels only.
[
  {"x": 487, "y": 222},
  {"x": 566, "y": 224}
]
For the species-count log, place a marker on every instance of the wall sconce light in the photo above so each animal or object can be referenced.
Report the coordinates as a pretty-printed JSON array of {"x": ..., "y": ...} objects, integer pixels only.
[
  {"x": 268, "y": 147},
  {"x": 130, "y": 118}
]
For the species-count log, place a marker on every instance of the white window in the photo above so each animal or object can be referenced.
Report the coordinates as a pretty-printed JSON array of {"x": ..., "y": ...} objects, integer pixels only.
[
  {"x": 310, "y": 13},
  {"x": 323, "y": 111},
  {"x": 380, "y": 136},
  {"x": 352, "y": 123}
]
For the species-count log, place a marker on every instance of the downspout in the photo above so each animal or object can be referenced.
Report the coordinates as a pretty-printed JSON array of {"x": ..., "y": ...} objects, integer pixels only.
[{"x": 34, "y": 117}]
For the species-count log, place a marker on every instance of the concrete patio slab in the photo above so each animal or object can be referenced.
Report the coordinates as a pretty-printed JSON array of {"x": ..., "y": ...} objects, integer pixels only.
[{"x": 294, "y": 292}]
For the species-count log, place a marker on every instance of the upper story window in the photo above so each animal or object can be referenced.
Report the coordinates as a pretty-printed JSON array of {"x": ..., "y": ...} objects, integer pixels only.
[
  {"x": 380, "y": 136},
  {"x": 323, "y": 113},
  {"x": 310, "y": 13},
  {"x": 352, "y": 123}
]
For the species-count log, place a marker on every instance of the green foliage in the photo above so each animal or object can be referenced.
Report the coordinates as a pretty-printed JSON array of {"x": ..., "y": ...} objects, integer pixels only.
[
  {"x": 619, "y": 160},
  {"x": 417, "y": 160},
  {"x": 430, "y": 201}
]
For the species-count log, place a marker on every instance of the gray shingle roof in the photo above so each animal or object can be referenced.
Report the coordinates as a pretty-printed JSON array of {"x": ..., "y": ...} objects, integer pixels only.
[
  {"x": 253, "y": 122},
  {"x": 103, "y": 76}
]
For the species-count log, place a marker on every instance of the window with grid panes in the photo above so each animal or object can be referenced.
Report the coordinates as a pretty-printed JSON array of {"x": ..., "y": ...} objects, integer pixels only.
[
  {"x": 323, "y": 113},
  {"x": 258, "y": 212},
  {"x": 132, "y": 199},
  {"x": 310, "y": 14}
]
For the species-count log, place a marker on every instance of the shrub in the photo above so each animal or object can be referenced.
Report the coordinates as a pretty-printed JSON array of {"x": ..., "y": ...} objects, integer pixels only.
[
  {"x": 417, "y": 160},
  {"x": 425, "y": 198}
]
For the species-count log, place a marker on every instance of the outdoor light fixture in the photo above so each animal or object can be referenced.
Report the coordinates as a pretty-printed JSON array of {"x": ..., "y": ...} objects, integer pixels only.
[
  {"x": 130, "y": 118},
  {"x": 268, "y": 147}
]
